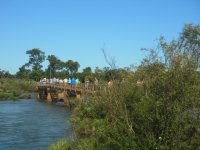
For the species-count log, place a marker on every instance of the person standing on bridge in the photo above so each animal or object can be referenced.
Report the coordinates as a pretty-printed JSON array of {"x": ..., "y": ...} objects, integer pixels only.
[
  {"x": 54, "y": 80},
  {"x": 87, "y": 83},
  {"x": 110, "y": 84},
  {"x": 69, "y": 81},
  {"x": 73, "y": 82},
  {"x": 77, "y": 82},
  {"x": 51, "y": 81},
  {"x": 96, "y": 82},
  {"x": 65, "y": 81}
]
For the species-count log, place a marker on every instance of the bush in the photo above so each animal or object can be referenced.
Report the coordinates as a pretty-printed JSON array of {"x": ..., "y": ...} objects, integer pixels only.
[
  {"x": 4, "y": 96},
  {"x": 62, "y": 144},
  {"x": 156, "y": 109},
  {"x": 15, "y": 88}
]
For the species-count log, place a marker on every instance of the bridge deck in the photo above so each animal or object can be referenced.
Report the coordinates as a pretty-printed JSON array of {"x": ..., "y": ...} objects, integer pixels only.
[{"x": 78, "y": 88}]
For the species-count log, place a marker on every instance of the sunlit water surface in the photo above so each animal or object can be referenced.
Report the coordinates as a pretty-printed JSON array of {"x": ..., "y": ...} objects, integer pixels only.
[{"x": 31, "y": 125}]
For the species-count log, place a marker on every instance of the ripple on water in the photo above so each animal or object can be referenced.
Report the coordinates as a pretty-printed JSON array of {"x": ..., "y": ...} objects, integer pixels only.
[{"x": 29, "y": 124}]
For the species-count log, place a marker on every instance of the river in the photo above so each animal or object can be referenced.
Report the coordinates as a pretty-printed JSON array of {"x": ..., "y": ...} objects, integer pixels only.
[{"x": 31, "y": 125}]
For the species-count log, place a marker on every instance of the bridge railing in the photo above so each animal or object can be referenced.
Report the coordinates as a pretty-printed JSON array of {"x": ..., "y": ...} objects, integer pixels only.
[{"x": 79, "y": 87}]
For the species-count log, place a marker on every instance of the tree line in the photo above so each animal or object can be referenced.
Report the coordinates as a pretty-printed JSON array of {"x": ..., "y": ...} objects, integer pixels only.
[{"x": 33, "y": 69}]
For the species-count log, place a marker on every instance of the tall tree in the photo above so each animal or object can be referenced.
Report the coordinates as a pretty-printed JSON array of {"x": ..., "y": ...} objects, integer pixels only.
[
  {"x": 185, "y": 50},
  {"x": 55, "y": 64},
  {"x": 87, "y": 73},
  {"x": 190, "y": 42},
  {"x": 72, "y": 66},
  {"x": 23, "y": 73},
  {"x": 5, "y": 74},
  {"x": 36, "y": 58}
]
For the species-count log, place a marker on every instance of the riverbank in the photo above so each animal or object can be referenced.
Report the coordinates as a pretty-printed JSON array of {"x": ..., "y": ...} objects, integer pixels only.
[
  {"x": 13, "y": 89},
  {"x": 8, "y": 96},
  {"x": 14, "y": 96}
]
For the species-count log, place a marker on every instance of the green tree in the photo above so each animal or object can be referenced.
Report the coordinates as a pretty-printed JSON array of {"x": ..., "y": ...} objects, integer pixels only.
[
  {"x": 185, "y": 51},
  {"x": 87, "y": 74},
  {"x": 167, "y": 102},
  {"x": 37, "y": 75},
  {"x": 5, "y": 74},
  {"x": 36, "y": 58},
  {"x": 54, "y": 66},
  {"x": 99, "y": 74},
  {"x": 72, "y": 66},
  {"x": 189, "y": 42},
  {"x": 23, "y": 73}
]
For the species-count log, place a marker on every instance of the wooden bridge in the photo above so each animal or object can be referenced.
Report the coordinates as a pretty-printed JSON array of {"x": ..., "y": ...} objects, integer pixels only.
[{"x": 53, "y": 92}]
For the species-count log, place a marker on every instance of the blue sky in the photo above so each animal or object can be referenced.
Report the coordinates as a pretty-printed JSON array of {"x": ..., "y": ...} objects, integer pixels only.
[{"x": 79, "y": 29}]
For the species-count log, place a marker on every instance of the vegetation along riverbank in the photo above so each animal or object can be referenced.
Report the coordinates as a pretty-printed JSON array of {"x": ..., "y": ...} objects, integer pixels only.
[
  {"x": 12, "y": 88},
  {"x": 155, "y": 107}
]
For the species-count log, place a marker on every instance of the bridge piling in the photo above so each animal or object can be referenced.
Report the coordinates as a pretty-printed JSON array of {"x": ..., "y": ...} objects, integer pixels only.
[
  {"x": 49, "y": 99},
  {"x": 62, "y": 92}
]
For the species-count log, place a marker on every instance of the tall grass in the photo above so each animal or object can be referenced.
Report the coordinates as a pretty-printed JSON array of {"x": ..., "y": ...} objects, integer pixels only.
[
  {"x": 13, "y": 88},
  {"x": 62, "y": 144}
]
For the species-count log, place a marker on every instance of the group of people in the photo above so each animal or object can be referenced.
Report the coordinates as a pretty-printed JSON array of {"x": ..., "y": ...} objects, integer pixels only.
[
  {"x": 70, "y": 81},
  {"x": 52, "y": 80},
  {"x": 73, "y": 82}
]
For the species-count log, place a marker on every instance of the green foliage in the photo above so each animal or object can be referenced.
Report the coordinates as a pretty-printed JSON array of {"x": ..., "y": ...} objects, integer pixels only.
[
  {"x": 5, "y": 74},
  {"x": 87, "y": 74},
  {"x": 59, "y": 69},
  {"x": 5, "y": 95},
  {"x": 72, "y": 66},
  {"x": 54, "y": 64},
  {"x": 185, "y": 51},
  {"x": 36, "y": 75},
  {"x": 157, "y": 107},
  {"x": 23, "y": 73},
  {"x": 10, "y": 88},
  {"x": 36, "y": 57},
  {"x": 62, "y": 144}
]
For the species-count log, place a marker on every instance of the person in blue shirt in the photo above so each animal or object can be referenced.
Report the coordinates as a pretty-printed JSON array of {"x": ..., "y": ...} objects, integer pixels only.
[
  {"x": 73, "y": 82},
  {"x": 69, "y": 81}
]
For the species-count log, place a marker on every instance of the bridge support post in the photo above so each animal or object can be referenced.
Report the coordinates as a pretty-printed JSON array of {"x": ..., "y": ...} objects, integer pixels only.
[
  {"x": 42, "y": 93},
  {"x": 49, "y": 99},
  {"x": 38, "y": 96},
  {"x": 63, "y": 96}
]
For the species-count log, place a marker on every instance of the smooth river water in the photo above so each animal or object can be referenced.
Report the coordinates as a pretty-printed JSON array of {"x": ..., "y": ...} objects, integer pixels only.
[{"x": 31, "y": 125}]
